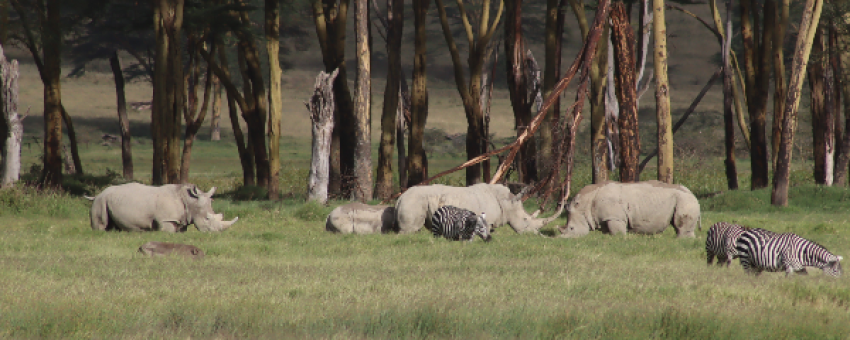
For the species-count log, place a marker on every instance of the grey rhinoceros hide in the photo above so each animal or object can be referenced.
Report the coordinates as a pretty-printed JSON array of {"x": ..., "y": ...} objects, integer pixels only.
[
  {"x": 171, "y": 208},
  {"x": 157, "y": 249},
  {"x": 643, "y": 208},
  {"x": 359, "y": 218},
  {"x": 414, "y": 208}
]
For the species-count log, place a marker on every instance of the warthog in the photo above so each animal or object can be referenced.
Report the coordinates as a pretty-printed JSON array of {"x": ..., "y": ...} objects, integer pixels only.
[{"x": 154, "y": 249}]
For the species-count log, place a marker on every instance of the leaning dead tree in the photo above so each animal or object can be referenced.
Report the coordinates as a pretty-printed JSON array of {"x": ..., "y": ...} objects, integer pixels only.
[
  {"x": 583, "y": 62},
  {"x": 11, "y": 127},
  {"x": 321, "y": 106}
]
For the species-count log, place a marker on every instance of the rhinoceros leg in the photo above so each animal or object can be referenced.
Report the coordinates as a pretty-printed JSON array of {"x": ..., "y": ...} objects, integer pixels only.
[
  {"x": 169, "y": 226},
  {"x": 617, "y": 227}
]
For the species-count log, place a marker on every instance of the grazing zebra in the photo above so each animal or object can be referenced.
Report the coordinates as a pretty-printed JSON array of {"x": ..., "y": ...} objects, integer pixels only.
[
  {"x": 720, "y": 242},
  {"x": 459, "y": 224},
  {"x": 761, "y": 250}
]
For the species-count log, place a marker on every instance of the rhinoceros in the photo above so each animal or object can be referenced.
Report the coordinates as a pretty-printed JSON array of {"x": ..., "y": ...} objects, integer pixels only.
[
  {"x": 414, "y": 208},
  {"x": 171, "y": 208},
  {"x": 642, "y": 208},
  {"x": 154, "y": 249},
  {"x": 359, "y": 218}
]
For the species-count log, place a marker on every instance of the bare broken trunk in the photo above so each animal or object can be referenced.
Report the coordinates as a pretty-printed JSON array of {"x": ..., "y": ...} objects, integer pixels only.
[
  {"x": 321, "y": 106},
  {"x": 11, "y": 129}
]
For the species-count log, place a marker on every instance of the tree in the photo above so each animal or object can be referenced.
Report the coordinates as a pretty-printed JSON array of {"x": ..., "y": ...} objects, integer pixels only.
[
  {"x": 728, "y": 97},
  {"x": 168, "y": 85},
  {"x": 823, "y": 123},
  {"x": 518, "y": 58},
  {"x": 330, "y": 19},
  {"x": 321, "y": 107},
  {"x": 394, "y": 27},
  {"x": 417, "y": 161},
  {"x": 123, "y": 120},
  {"x": 363, "y": 103},
  {"x": 554, "y": 26},
  {"x": 470, "y": 88},
  {"x": 662, "y": 95},
  {"x": 808, "y": 27},
  {"x": 194, "y": 114},
  {"x": 11, "y": 127},
  {"x": 275, "y": 104},
  {"x": 623, "y": 40}
]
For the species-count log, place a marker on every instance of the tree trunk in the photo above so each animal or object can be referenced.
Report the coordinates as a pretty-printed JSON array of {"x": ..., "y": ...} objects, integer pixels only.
[
  {"x": 728, "y": 97},
  {"x": 72, "y": 140},
  {"x": 11, "y": 127},
  {"x": 417, "y": 161},
  {"x": 662, "y": 95},
  {"x": 123, "y": 120},
  {"x": 837, "y": 122},
  {"x": 389, "y": 115},
  {"x": 275, "y": 105},
  {"x": 758, "y": 42},
  {"x": 816, "y": 75},
  {"x": 246, "y": 154},
  {"x": 518, "y": 84},
  {"x": 175, "y": 88},
  {"x": 554, "y": 34},
  {"x": 808, "y": 27},
  {"x": 321, "y": 107},
  {"x": 779, "y": 84},
  {"x": 215, "y": 120},
  {"x": 159, "y": 105},
  {"x": 843, "y": 52},
  {"x": 623, "y": 39},
  {"x": 52, "y": 39},
  {"x": 193, "y": 115},
  {"x": 255, "y": 114},
  {"x": 362, "y": 189}
]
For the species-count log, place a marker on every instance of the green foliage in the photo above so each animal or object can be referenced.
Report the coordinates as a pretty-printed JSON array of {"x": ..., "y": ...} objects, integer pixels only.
[{"x": 312, "y": 212}]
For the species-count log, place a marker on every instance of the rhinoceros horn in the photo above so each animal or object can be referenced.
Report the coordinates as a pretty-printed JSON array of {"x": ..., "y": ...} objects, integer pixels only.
[{"x": 217, "y": 223}]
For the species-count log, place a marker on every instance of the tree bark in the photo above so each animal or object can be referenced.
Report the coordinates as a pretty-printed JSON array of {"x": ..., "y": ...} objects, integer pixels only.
[
  {"x": 321, "y": 107},
  {"x": 779, "y": 84},
  {"x": 417, "y": 161},
  {"x": 758, "y": 42},
  {"x": 728, "y": 98},
  {"x": 272, "y": 12},
  {"x": 123, "y": 120},
  {"x": 808, "y": 26},
  {"x": 820, "y": 117},
  {"x": 362, "y": 189},
  {"x": 518, "y": 85},
  {"x": 168, "y": 100},
  {"x": 843, "y": 51},
  {"x": 11, "y": 127},
  {"x": 389, "y": 124},
  {"x": 215, "y": 120},
  {"x": 662, "y": 95},
  {"x": 192, "y": 114},
  {"x": 52, "y": 39},
  {"x": 554, "y": 33},
  {"x": 623, "y": 39}
]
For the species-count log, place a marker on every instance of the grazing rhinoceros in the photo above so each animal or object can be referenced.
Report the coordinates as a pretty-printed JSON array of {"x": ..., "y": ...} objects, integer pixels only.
[
  {"x": 359, "y": 218},
  {"x": 171, "y": 208},
  {"x": 414, "y": 208},
  {"x": 153, "y": 249},
  {"x": 641, "y": 208}
]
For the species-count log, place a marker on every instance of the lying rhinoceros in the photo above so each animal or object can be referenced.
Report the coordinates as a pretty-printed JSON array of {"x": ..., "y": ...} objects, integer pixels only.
[
  {"x": 359, "y": 218},
  {"x": 414, "y": 208},
  {"x": 154, "y": 249},
  {"x": 641, "y": 208},
  {"x": 171, "y": 208}
]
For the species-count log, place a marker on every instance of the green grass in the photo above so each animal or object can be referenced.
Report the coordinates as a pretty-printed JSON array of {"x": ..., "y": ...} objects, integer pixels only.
[{"x": 278, "y": 274}]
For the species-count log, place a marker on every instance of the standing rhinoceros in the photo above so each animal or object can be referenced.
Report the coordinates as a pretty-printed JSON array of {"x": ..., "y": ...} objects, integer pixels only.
[
  {"x": 414, "y": 208},
  {"x": 171, "y": 208},
  {"x": 641, "y": 208},
  {"x": 359, "y": 218}
]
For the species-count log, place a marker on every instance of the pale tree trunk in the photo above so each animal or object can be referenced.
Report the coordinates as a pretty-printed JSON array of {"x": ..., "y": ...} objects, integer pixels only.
[
  {"x": 392, "y": 120},
  {"x": 662, "y": 95},
  {"x": 417, "y": 161},
  {"x": 215, "y": 120},
  {"x": 623, "y": 43},
  {"x": 728, "y": 98},
  {"x": 321, "y": 107},
  {"x": 11, "y": 127},
  {"x": 808, "y": 27},
  {"x": 275, "y": 105},
  {"x": 123, "y": 120},
  {"x": 362, "y": 189}
]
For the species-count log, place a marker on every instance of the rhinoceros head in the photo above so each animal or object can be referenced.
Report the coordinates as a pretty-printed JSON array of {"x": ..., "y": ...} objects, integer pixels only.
[
  {"x": 521, "y": 221},
  {"x": 199, "y": 207},
  {"x": 579, "y": 224}
]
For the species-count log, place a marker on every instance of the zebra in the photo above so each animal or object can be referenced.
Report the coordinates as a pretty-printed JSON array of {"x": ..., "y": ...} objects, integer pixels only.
[
  {"x": 762, "y": 250},
  {"x": 720, "y": 242},
  {"x": 459, "y": 224}
]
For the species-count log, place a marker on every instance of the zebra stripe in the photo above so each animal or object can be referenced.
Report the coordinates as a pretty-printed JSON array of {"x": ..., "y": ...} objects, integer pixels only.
[
  {"x": 763, "y": 250},
  {"x": 459, "y": 224},
  {"x": 720, "y": 242}
]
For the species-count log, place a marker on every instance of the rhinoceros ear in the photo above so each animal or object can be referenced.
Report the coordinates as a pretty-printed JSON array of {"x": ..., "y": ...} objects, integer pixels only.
[{"x": 210, "y": 194}]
